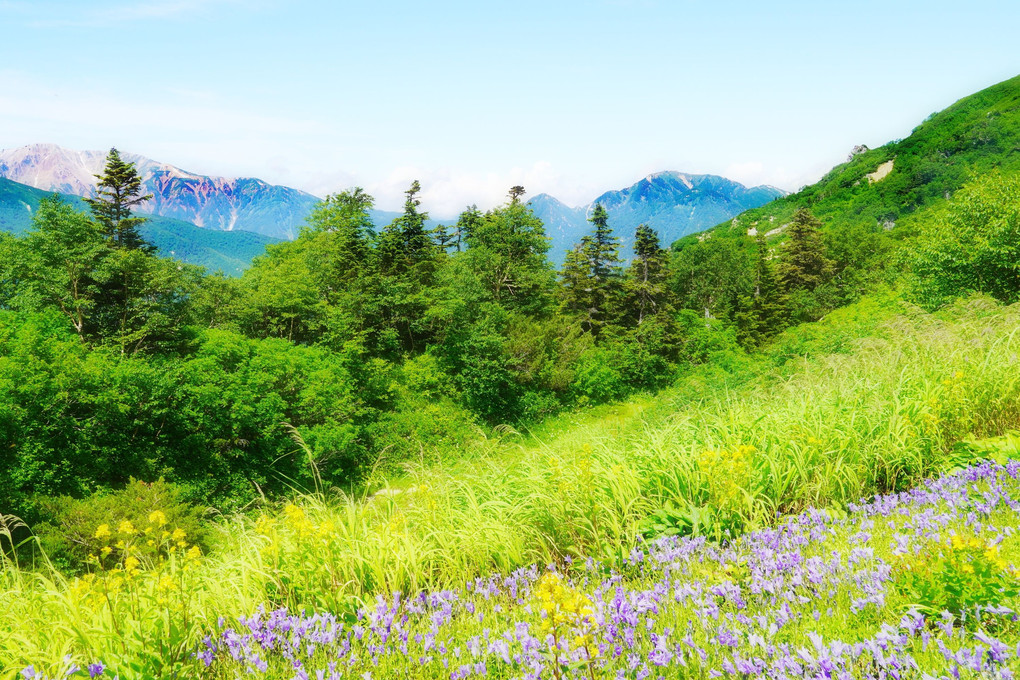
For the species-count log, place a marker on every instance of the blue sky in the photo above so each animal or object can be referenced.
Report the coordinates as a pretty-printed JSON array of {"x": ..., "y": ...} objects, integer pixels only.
[{"x": 566, "y": 97}]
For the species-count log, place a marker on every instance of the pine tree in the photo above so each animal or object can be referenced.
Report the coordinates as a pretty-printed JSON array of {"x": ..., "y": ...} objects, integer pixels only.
[
  {"x": 117, "y": 192},
  {"x": 804, "y": 265},
  {"x": 405, "y": 242},
  {"x": 417, "y": 245},
  {"x": 764, "y": 313},
  {"x": 592, "y": 275},
  {"x": 444, "y": 237},
  {"x": 645, "y": 281},
  {"x": 467, "y": 223},
  {"x": 335, "y": 242}
]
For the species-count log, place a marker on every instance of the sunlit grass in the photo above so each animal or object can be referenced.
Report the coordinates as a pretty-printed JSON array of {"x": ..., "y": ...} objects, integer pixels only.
[{"x": 880, "y": 414}]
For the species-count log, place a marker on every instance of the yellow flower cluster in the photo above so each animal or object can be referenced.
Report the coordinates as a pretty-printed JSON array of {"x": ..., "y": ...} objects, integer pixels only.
[
  {"x": 564, "y": 609},
  {"x": 727, "y": 473},
  {"x": 296, "y": 519},
  {"x": 132, "y": 546},
  {"x": 969, "y": 549}
]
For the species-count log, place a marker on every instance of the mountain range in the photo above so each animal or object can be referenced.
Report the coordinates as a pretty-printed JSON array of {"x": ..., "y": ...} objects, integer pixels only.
[
  {"x": 674, "y": 203},
  {"x": 230, "y": 252},
  {"x": 243, "y": 203},
  {"x": 185, "y": 203}
]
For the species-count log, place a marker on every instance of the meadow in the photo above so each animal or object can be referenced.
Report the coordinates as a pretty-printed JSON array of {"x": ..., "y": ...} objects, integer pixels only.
[{"x": 653, "y": 510}]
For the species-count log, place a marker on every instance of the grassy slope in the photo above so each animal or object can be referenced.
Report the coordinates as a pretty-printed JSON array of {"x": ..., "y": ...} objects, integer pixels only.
[
  {"x": 975, "y": 135},
  {"x": 833, "y": 597},
  {"x": 884, "y": 393}
]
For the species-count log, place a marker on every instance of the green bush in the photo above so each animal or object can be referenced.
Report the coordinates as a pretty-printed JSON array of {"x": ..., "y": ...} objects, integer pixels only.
[
  {"x": 973, "y": 245},
  {"x": 69, "y": 536},
  {"x": 596, "y": 379}
]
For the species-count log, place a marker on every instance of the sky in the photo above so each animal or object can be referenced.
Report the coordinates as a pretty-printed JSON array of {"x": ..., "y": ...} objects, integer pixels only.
[{"x": 566, "y": 97}]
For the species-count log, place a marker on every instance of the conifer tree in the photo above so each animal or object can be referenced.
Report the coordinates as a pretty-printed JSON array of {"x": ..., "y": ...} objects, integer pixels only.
[
  {"x": 804, "y": 265},
  {"x": 592, "y": 274},
  {"x": 645, "y": 281},
  {"x": 467, "y": 223},
  {"x": 764, "y": 313},
  {"x": 405, "y": 242},
  {"x": 444, "y": 237},
  {"x": 336, "y": 240},
  {"x": 119, "y": 190},
  {"x": 417, "y": 245}
]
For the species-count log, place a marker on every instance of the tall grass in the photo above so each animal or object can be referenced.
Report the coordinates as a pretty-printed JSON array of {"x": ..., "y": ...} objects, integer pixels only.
[{"x": 880, "y": 408}]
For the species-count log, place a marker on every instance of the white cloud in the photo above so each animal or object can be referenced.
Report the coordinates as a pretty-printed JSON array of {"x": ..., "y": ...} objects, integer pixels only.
[
  {"x": 32, "y": 112},
  {"x": 446, "y": 192},
  {"x": 753, "y": 173}
]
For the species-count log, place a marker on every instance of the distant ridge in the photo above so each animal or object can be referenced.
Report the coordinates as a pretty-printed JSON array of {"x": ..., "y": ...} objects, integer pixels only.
[
  {"x": 230, "y": 252},
  {"x": 674, "y": 203},
  {"x": 226, "y": 204}
]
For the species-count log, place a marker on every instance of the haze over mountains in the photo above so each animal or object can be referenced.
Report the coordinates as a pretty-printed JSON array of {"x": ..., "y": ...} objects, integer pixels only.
[{"x": 674, "y": 203}]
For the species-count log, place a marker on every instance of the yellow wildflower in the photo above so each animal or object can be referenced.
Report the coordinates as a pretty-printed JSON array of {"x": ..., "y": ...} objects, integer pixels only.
[
  {"x": 103, "y": 531},
  {"x": 131, "y": 564},
  {"x": 126, "y": 527},
  {"x": 157, "y": 517}
]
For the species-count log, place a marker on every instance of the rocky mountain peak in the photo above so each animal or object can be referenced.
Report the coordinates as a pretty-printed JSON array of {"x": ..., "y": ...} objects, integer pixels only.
[{"x": 222, "y": 203}]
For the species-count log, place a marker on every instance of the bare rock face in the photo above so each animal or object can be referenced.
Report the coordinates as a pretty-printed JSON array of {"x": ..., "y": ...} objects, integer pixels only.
[
  {"x": 857, "y": 151},
  {"x": 881, "y": 172},
  {"x": 226, "y": 204},
  {"x": 52, "y": 168}
]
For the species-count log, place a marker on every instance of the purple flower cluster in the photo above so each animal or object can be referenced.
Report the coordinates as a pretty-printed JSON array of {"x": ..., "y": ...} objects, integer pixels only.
[{"x": 810, "y": 598}]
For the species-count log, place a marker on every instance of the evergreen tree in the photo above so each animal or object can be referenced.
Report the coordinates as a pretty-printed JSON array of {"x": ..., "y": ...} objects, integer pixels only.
[
  {"x": 466, "y": 224},
  {"x": 592, "y": 275},
  {"x": 443, "y": 237},
  {"x": 804, "y": 265},
  {"x": 645, "y": 281},
  {"x": 408, "y": 263},
  {"x": 336, "y": 240},
  {"x": 516, "y": 191},
  {"x": 417, "y": 246},
  {"x": 118, "y": 190},
  {"x": 763, "y": 313},
  {"x": 405, "y": 242}
]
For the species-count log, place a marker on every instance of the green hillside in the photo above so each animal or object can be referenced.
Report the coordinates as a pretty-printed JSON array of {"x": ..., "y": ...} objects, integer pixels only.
[
  {"x": 228, "y": 251},
  {"x": 978, "y": 133}
]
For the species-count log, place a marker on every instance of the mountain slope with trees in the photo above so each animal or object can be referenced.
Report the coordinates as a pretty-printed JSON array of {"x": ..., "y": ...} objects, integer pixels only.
[{"x": 229, "y": 252}]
